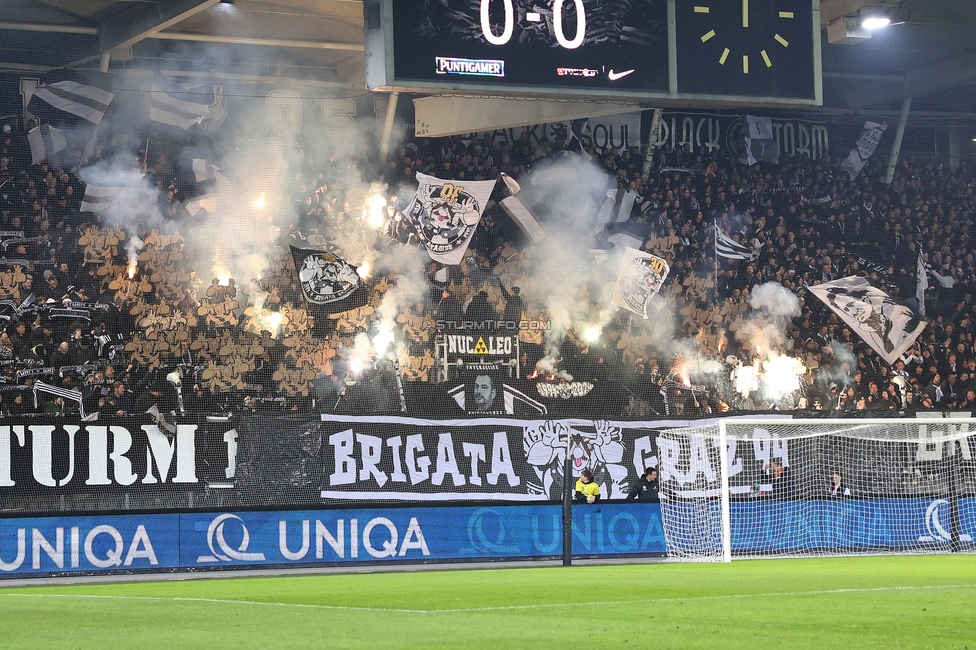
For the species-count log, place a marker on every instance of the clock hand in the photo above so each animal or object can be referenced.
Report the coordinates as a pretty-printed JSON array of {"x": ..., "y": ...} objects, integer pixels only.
[{"x": 745, "y": 13}]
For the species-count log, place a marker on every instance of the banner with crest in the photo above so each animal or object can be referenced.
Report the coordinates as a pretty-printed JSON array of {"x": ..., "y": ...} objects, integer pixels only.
[
  {"x": 327, "y": 279},
  {"x": 640, "y": 278},
  {"x": 445, "y": 214}
]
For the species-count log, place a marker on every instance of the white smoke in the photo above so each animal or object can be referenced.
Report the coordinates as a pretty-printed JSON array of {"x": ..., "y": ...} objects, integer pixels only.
[
  {"x": 567, "y": 193},
  {"x": 407, "y": 266},
  {"x": 764, "y": 328},
  {"x": 775, "y": 300}
]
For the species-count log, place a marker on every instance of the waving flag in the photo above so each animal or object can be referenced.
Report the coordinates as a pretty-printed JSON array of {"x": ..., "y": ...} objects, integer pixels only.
[
  {"x": 45, "y": 141},
  {"x": 170, "y": 103},
  {"x": 328, "y": 280},
  {"x": 446, "y": 213},
  {"x": 864, "y": 149},
  {"x": 887, "y": 326},
  {"x": 54, "y": 102},
  {"x": 128, "y": 192},
  {"x": 760, "y": 143},
  {"x": 730, "y": 249}
]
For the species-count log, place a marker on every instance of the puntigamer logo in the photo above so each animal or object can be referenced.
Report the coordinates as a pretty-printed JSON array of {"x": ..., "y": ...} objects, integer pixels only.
[{"x": 472, "y": 67}]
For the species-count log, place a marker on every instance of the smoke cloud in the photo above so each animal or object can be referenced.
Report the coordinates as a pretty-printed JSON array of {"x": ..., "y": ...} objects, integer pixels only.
[{"x": 567, "y": 194}]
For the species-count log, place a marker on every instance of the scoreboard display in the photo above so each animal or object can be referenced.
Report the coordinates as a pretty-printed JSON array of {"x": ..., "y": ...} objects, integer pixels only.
[
  {"x": 731, "y": 51},
  {"x": 592, "y": 44}
]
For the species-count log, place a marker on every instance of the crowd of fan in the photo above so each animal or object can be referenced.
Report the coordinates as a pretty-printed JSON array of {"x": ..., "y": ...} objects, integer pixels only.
[{"x": 810, "y": 223}]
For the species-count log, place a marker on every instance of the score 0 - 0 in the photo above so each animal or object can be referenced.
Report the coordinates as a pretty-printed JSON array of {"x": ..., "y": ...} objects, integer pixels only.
[{"x": 535, "y": 17}]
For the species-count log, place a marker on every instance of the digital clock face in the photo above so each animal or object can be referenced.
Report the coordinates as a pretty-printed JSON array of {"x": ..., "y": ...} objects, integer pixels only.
[{"x": 567, "y": 44}]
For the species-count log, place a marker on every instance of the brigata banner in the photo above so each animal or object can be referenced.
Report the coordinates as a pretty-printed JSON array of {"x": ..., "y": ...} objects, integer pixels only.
[
  {"x": 275, "y": 460},
  {"x": 410, "y": 459},
  {"x": 127, "y": 543}
]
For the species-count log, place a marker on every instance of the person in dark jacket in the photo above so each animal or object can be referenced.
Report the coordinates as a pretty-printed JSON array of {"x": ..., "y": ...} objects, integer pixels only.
[
  {"x": 480, "y": 310},
  {"x": 449, "y": 310},
  {"x": 514, "y": 306},
  {"x": 645, "y": 488},
  {"x": 838, "y": 488},
  {"x": 21, "y": 340}
]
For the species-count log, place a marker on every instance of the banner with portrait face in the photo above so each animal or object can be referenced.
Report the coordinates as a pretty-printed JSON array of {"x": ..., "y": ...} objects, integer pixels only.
[
  {"x": 887, "y": 326},
  {"x": 640, "y": 278}
]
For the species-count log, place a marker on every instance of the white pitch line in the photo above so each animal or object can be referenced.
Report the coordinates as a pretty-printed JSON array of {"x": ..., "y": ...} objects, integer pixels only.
[{"x": 220, "y": 601}]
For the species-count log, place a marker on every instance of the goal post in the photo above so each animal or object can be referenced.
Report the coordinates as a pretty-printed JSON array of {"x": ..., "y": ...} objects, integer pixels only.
[{"x": 740, "y": 488}]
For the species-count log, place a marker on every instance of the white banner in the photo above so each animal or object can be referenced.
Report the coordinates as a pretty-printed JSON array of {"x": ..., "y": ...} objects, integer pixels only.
[
  {"x": 639, "y": 279},
  {"x": 864, "y": 149},
  {"x": 885, "y": 325},
  {"x": 445, "y": 215}
]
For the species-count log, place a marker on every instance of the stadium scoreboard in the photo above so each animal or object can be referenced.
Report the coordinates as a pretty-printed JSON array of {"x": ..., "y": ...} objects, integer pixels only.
[{"x": 712, "y": 51}]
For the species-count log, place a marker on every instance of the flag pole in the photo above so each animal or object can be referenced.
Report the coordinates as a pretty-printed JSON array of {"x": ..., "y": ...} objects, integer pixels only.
[
  {"x": 90, "y": 149},
  {"x": 718, "y": 339}
]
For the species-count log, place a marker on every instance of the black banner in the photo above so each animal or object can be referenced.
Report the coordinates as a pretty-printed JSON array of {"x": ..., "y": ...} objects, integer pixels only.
[
  {"x": 57, "y": 464},
  {"x": 43, "y": 458}
]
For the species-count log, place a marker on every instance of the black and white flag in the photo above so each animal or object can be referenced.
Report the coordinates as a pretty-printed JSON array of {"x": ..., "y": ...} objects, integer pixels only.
[
  {"x": 921, "y": 282},
  {"x": 886, "y": 325},
  {"x": 206, "y": 177},
  {"x": 328, "y": 280},
  {"x": 523, "y": 218},
  {"x": 55, "y": 102},
  {"x": 760, "y": 143},
  {"x": 445, "y": 214},
  {"x": 864, "y": 149},
  {"x": 117, "y": 198},
  {"x": 45, "y": 141},
  {"x": 168, "y": 103},
  {"x": 617, "y": 208},
  {"x": 639, "y": 279},
  {"x": 730, "y": 249}
]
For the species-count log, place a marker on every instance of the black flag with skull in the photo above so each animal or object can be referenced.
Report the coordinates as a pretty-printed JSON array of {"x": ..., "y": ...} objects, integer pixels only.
[{"x": 328, "y": 281}]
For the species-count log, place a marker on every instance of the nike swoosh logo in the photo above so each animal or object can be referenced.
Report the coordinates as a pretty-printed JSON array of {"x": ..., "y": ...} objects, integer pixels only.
[{"x": 613, "y": 76}]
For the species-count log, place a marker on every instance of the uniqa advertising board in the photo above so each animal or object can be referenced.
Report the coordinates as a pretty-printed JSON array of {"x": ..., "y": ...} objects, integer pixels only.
[
  {"x": 92, "y": 544},
  {"x": 123, "y": 543}
]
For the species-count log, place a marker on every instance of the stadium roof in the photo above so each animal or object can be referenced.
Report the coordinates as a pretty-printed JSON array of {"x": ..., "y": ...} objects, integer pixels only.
[{"x": 931, "y": 57}]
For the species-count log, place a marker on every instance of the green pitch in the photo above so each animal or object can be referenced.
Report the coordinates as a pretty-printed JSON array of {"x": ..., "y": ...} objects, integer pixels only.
[{"x": 870, "y": 602}]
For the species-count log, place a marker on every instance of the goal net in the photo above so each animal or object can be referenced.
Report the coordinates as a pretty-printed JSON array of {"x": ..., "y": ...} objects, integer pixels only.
[{"x": 818, "y": 487}]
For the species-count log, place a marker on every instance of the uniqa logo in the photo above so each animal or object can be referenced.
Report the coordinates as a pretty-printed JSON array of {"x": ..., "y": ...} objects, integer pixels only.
[
  {"x": 486, "y": 532},
  {"x": 215, "y": 533},
  {"x": 933, "y": 524}
]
